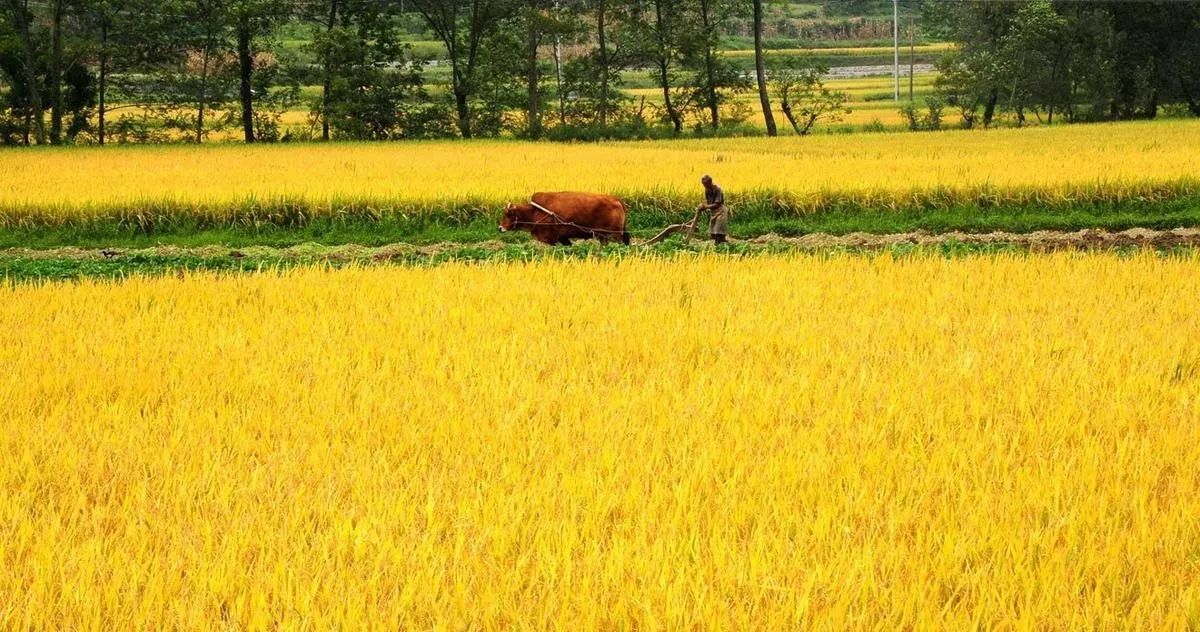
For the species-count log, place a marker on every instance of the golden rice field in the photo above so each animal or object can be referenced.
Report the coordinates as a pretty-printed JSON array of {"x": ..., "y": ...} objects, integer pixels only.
[
  {"x": 851, "y": 51},
  {"x": 1004, "y": 442},
  {"x": 1059, "y": 163},
  {"x": 862, "y": 111}
]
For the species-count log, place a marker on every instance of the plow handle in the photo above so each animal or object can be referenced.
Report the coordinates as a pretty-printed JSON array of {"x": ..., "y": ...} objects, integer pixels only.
[{"x": 691, "y": 231}]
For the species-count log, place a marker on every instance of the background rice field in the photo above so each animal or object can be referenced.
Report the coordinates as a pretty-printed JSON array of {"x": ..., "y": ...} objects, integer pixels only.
[{"x": 1080, "y": 163}]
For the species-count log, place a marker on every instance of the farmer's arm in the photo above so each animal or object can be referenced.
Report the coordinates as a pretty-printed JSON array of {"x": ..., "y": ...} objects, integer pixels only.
[{"x": 718, "y": 201}]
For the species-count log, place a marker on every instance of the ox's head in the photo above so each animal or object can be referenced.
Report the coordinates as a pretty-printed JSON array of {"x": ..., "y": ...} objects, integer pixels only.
[{"x": 514, "y": 215}]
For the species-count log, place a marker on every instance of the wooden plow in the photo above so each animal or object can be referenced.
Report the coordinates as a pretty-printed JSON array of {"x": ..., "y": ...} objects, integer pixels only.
[{"x": 690, "y": 227}]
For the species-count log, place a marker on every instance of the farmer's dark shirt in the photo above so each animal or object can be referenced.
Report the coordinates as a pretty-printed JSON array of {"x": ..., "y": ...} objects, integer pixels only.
[{"x": 714, "y": 195}]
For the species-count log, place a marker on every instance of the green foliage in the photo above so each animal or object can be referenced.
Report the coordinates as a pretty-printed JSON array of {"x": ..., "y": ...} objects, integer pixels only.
[
  {"x": 73, "y": 82},
  {"x": 1081, "y": 60},
  {"x": 875, "y": 127},
  {"x": 805, "y": 100},
  {"x": 466, "y": 28},
  {"x": 856, "y": 7},
  {"x": 929, "y": 120},
  {"x": 374, "y": 84}
]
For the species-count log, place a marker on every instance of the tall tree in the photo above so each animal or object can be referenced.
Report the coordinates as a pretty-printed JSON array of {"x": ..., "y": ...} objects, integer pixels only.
[
  {"x": 593, "y": 81},
  {"x": 462, "y": 26},
  {"x": 715, "y": 75},
  {"x": 709, "y": 36},
  {"x": 129, "y": 41},
  {"x": 1032, "y": 53},
  {"x": 327, "y": 76},
  {"x": 245, "y": 76},
  {"x": 58, "y": 10},
  {"x": 1156, "y": 48},
  {"x": 103, "y": 13},
  {"x": 659, "y": 29},
  {"x": 33, "y": 113},
  {"x": 373, "y": 83},
  {"x": 540, "y": 19},
  {"x": 760, "y": 69},
  {"x": 1117, "y": 60},
  {"x": 981, "y": 28},
  {"x": 253, "y": 20},
  {"x": 603, "y": 58},
  {"x": 533, "y": 116},
  {"x": 196, "y": 69}
]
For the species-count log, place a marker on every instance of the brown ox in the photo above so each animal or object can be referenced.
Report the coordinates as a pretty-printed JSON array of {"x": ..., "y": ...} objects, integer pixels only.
[{"x": 557, "y": 218}]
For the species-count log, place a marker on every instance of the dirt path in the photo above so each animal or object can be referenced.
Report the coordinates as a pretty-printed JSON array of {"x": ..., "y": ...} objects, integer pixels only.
[{"x": 1039, "y": 241}]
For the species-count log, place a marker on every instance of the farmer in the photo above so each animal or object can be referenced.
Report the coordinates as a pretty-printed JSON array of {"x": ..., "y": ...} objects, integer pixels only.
[{"x": 714, "y": 201}]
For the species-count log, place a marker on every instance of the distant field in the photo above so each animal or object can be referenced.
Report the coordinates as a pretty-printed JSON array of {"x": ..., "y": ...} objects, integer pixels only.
[
  {"x": 843, "y": 51},
  {"x": 871, "y": 101}
]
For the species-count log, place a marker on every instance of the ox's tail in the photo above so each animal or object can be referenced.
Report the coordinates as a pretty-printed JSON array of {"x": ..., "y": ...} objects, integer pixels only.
[{"x": 625, "y": 238}]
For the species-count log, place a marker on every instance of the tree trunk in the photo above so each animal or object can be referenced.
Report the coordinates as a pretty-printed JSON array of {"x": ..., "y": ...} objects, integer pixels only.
[
  {"x": 665, "y": 82},
  {"x": 203, "y": 100},
  {"x": 989, "y": 110},
  {"x": 558, "y": 78},
  {"x": 464, "y": 111},
  {"x": 56, "y": 72},
  {"x": 33, "y": 114},
  {"x": 533, "y": 117},
  {"x": 246, "y": 72},
  {"x": 600, "y": 11},
  {"x": 786, "y": 106},
  {"x": 760, "y": 69},
  {"x": 1192, "y": 104},
  {"x": 327, "y": 84},
  {"x": 710, "y": 87},
  {"x": 103, "y": 88},
  {"x": 664, "y": 66}
]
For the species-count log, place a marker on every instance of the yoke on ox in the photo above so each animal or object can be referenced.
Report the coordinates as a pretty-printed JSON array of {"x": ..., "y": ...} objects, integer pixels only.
[{"x": 557, "y": 218}]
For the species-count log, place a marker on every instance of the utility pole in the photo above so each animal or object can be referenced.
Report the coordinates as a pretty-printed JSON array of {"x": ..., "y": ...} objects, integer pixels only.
[{"x": 896, "y": 46}]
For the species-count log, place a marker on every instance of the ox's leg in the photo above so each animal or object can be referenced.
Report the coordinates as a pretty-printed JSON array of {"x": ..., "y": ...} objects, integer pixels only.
[{"x": 564, "y": 241}]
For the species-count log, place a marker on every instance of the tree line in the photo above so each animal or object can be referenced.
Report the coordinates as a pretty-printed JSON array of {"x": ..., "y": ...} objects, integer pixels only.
[
  {"x": 184, "y": 68},
  {"x": 169, "y": 70},
  {"x": 1078, "y": 60}
]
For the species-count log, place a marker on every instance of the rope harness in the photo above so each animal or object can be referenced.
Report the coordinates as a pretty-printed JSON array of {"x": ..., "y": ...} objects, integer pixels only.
[{"x": 561, "y": 221}]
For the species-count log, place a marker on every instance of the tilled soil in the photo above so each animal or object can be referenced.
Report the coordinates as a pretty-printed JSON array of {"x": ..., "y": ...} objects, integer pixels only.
[{"x": 1039, "y": 241}]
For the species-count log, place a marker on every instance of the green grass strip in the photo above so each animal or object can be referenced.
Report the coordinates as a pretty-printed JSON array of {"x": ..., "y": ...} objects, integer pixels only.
[{"x": 472, "y": 222}]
